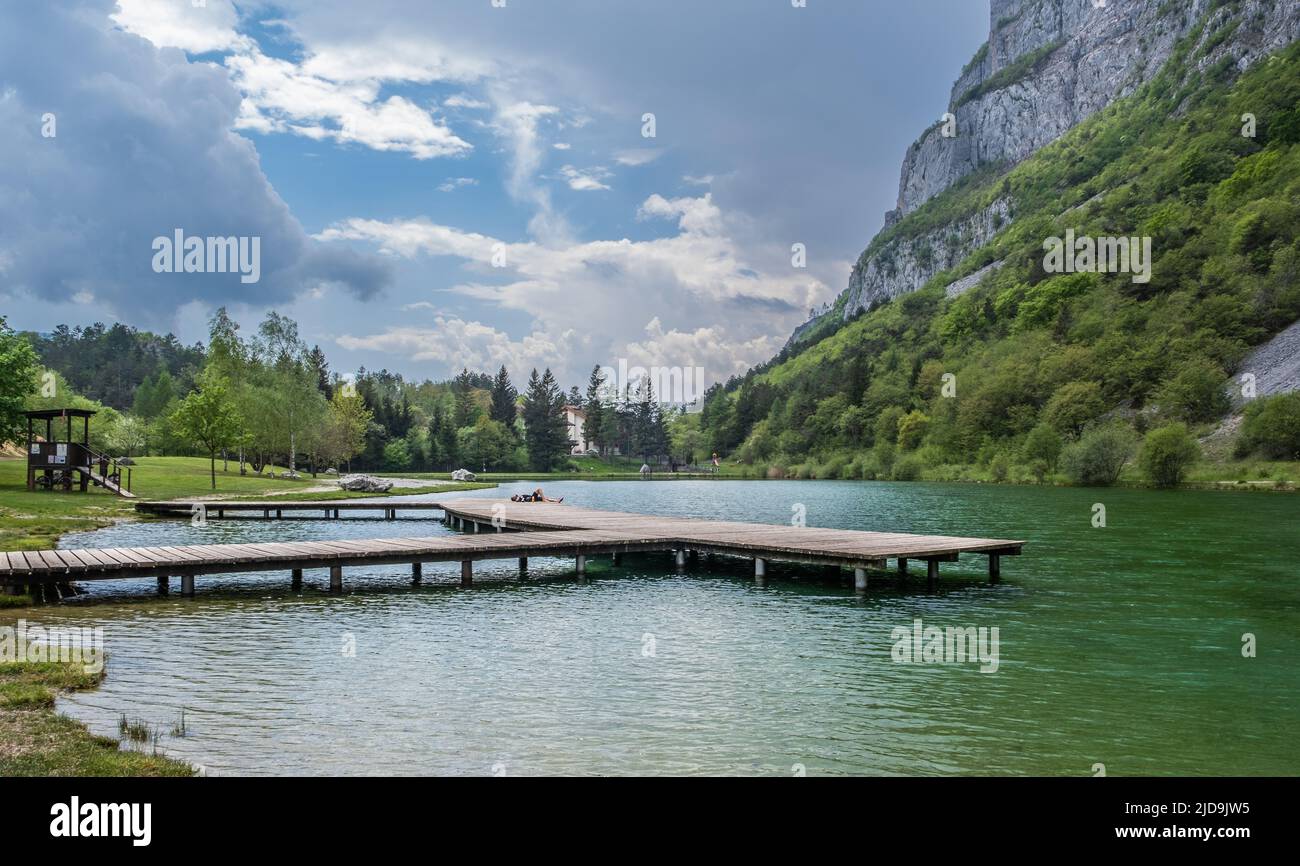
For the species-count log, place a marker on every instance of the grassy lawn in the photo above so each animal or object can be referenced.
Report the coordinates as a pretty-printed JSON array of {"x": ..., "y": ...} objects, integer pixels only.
[{"x": 37, "y": 741}]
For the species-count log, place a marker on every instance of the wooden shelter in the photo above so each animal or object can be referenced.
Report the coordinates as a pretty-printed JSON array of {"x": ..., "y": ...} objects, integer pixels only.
[{"x": 58, "y": 463}]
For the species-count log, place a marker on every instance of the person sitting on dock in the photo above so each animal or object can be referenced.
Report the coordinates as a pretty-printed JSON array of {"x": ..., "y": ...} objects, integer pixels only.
[{"x": 539, "y": 496}]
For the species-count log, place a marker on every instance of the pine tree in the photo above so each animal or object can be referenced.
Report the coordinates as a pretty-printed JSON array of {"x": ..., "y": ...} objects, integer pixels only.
[
  {"x": 647, "y": 423},
  {"x": 594, "y": 426},
  {"x": 318, "y": 364},
  {"x": 504, "y": 396},
  {"x": 467, "y": 410},
  {"x": 546, "y": 433}
]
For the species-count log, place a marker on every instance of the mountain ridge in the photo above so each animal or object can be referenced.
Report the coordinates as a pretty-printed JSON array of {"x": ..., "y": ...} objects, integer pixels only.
[{"x": 1076, "y": 59}]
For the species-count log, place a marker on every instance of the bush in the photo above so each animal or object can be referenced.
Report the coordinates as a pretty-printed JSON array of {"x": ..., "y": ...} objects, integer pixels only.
[
  {"x": 1167, "y": 452},
  {"x": 836, "y": 466},
  {"x": 912, "y": 428},
  {"x": 1195, "y": 394},
  {"x": 1099, "y": 455},
  {"x": 1272, "y": 426},
  {"x": 1073, "y": 405},
  {"x": 1043, "y": 444},
  {"x": 908, "y": 468}
]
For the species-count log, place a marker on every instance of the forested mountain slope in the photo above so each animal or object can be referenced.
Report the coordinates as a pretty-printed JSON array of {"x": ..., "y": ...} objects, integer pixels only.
[{"x": 1203, "y": 159}]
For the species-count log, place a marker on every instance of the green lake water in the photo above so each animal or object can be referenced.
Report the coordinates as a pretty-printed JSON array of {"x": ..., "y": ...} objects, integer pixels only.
[{"x": 1119, "y": 646}]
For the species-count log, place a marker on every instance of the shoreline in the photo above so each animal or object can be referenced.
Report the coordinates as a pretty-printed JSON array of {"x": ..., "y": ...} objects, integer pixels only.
[{"x": 37, "y": 740}]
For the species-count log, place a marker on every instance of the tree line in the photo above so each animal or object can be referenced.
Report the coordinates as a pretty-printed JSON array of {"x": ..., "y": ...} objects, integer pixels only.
[{"x": 271, "y": 400}]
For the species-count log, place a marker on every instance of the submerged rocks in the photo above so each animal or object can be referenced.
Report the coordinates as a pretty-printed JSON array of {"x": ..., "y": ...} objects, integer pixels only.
[{"x": 365, "y": 483}]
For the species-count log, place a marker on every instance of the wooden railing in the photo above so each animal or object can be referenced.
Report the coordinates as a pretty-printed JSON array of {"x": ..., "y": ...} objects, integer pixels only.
[{"x": 109, "y": 468}]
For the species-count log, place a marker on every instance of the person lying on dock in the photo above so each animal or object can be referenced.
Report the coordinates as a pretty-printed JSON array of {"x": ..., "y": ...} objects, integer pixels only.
[{"x": 539, "y": 496}]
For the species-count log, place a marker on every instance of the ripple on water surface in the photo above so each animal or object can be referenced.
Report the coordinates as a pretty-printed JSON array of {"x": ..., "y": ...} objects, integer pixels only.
[{"x": 1119, "y": 646}]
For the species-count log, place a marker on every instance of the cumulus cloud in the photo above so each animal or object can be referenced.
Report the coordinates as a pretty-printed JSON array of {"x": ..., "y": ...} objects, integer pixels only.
[
  {"x": 585, "y": 180},
  {"x": 168, "y": 23},
  {"x": 456, "y": 343},
  {"x": 142, "y": 147},
  {"x": 280, "y": 96},
  {"x": 688, "y": 298}
]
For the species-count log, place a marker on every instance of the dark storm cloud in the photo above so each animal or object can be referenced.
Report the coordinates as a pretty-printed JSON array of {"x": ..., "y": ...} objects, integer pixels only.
[{"x": 143, "y": 147}]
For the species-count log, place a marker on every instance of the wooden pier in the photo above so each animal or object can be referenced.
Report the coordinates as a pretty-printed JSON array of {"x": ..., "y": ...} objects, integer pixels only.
[
  {"x": 270, "y": 509},
  {"x": 499, "y": 529}
]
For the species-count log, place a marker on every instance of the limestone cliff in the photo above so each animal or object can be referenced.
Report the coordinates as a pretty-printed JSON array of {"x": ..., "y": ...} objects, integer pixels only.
[{"x": 1047, "y": 65}]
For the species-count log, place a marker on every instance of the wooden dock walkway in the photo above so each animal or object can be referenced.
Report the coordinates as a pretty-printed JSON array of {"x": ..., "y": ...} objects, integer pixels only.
[
  {"x": 500, "y": 529},
  {"x": 276, "y": 509}
]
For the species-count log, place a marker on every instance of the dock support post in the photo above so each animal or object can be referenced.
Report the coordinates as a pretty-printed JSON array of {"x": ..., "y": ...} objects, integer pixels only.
[
  {"x": 295, "y": 578},
  {"x": 681, "y": 559},
  {"x": 336, "y": 578},
  {"x": 187, "y": 585},
  {"x": 467, "y": 572},
  {"x": 476, "y": 526},
  {"x": 618, "y": 559},
  {"x": 417, "y": 573},
  {"x": 523, "y": 565},
  {"x": 860, "y": 579},
  {"x": 582, "y": 564},
  {"x": 760, "y": 570},
  {"x": 279, "y": 514},
  {"x": 995, "y": 568},
  {"x": 164, "y": 585},
  {"x": 932, "y": 574}
]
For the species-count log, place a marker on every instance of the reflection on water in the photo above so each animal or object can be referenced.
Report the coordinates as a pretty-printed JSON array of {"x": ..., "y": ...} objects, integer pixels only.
[{"x": 1118, "y": 645}]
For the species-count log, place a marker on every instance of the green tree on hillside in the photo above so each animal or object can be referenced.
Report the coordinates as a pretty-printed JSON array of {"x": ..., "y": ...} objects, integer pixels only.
[
  {"x": 18, "y": 374},
  {"x": 1272, "y": 426}
]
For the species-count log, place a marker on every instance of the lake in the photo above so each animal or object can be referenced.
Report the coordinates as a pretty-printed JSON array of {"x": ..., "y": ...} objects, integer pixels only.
[{"x": 1118, "y": 645}]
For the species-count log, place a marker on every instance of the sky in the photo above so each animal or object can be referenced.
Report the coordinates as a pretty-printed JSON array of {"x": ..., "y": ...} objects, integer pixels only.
[{"x": 434, "y": 185}]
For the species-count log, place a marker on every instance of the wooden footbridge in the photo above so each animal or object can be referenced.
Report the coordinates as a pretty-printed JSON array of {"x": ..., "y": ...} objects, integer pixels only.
[{"x": 493, "y": 529}]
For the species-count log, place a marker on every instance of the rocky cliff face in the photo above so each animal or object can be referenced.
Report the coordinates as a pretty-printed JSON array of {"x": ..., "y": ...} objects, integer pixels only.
[
  {"x": 905, "y": 265},
  {"x": 1048, "y": 64}
]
